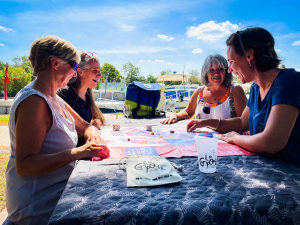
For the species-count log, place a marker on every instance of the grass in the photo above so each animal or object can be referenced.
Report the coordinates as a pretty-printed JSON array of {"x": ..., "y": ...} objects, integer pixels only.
[
  {"x": 3, "y": 163},
  {"x": 4, "y": 153},
  {"x": 4, "y": 118}
]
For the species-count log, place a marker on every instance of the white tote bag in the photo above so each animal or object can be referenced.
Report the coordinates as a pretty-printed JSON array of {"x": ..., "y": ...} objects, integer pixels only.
[{"x": 150, "y": 171}]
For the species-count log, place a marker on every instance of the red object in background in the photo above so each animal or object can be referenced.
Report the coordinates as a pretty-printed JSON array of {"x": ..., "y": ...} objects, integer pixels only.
[{"x": 6, "y": 80}]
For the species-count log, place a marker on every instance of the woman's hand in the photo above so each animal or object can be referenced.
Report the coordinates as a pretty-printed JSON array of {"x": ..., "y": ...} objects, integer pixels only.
[
  {"x": 92, "y": 147},
  {"x": 170, "y": 120},
  {"x": 193, "y": 124},
  {"x": 230, "y": 137}
]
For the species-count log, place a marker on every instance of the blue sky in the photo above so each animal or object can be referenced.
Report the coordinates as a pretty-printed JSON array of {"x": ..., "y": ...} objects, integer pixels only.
[{"x": 153, "y": 35}]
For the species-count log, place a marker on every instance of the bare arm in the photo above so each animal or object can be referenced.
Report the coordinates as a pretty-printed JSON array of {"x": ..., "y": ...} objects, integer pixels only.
[
  {"x": 276, "y": 134},
  {"x": 239, "y": 100},
  {"x": 33, "y": 120},
  {"x": 238, "y": 124},
  {"x": 187, "y": 113}
]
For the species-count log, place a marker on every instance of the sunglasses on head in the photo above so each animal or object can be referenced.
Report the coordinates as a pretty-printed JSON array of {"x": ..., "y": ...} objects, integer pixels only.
[
  {"x": 88, "y": 55},
  {"x": 240, "y": 41}
]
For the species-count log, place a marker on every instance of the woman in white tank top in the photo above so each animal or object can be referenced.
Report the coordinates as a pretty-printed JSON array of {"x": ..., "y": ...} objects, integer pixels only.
[
  {"x": 43, "y": 135},
  {"x": 218, "y": 99}
]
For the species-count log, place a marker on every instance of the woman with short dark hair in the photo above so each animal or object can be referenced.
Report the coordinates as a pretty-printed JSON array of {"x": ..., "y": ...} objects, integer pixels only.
[
  {"x": 218, "y": 99},
  {"x": 272, "y": 112}
]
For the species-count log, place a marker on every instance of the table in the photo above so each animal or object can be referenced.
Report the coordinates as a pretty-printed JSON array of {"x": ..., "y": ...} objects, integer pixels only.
[{"x": 244, "y": 190}]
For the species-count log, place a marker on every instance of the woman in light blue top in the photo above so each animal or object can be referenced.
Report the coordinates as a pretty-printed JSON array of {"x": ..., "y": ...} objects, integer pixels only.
[
  {"x": 272, "y": 111},
  {"x": 43, "y": 135}
]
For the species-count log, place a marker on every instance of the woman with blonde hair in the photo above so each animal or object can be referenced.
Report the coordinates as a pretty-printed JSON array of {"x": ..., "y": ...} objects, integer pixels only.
[
  {"x": 43, "y": 135},
  {"x": 78, "y": 94}
]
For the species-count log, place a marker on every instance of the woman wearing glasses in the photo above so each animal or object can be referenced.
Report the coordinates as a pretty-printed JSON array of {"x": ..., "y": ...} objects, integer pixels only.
[
  {"x": 78, "y": 94},
  {"x": 272, "y": 112},
  {"x": 43, "y": 134},
  {"x": 218, "y": 99}
]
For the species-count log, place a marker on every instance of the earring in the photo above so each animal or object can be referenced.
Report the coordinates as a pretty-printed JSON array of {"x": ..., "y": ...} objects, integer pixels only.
[{"x": 250, "y": 65}]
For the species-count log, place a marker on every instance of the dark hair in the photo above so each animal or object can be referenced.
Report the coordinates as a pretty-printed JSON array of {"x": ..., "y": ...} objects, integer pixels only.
[
  {"x": 262, "y": 43},
  {"x": 220, "y": 61}
]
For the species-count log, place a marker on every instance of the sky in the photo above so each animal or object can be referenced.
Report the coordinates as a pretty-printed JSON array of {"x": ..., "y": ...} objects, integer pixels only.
[{"x": 173, "y": 35}]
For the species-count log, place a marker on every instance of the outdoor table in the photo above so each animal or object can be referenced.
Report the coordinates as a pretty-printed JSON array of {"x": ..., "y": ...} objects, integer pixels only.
[{"x": 246, "y": 189}]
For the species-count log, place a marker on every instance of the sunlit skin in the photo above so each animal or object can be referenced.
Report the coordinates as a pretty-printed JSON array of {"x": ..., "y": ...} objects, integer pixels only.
[
  {"x": 216, "y": 78},
  {"x": 89, "y": 77},
  {"x": 239, "y": 65}
]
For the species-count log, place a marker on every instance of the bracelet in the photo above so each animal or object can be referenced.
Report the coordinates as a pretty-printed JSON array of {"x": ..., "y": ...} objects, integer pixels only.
[{"x": 218, "y": 124}]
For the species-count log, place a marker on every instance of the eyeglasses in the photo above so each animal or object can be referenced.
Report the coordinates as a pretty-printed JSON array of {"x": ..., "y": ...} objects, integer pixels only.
[
  {"x": 241, "y": 42},
  {"x": 218, "y": 71},
  {"x": 73, "y": 64}
]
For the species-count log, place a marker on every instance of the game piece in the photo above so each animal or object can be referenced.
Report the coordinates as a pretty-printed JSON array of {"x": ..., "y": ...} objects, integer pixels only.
[
  {"x": 116, "y": 127},
  {"x": 172, "y": 131},
  {"x": 128, "y": 139},
  {"x": 152, "y": 133},
  {"x": 148, "y": 127}
]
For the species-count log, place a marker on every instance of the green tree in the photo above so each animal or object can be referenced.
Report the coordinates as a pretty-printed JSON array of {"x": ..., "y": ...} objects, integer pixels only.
[
  {"x": 110, "y": 73},
  {"x": 132, "y": 73},
  {"x": 236, "y": 80},
  {"x": 281, "y": 66},
  {"x": 163, "y": 72},
  {"x": 151, "y": 79},
  {"x": 195, "y": 80},
  {"x": 19, "y": 78},
  {"x": 194, "y": 73},
  {"x": 23, "y": 62}
]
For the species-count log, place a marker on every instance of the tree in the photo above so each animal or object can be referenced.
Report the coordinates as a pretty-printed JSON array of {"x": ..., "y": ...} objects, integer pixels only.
[
  {"x": 194, "y": 73},
  {"x": 19, "y": 78},
  {"x": 195, "y": 80},
  {"x": 163, "y": 72},
  {"x": 132, "y": 73},
  {"x": 281, "y": 66},
  {"x": 24, "y": 63},
  {"x": 151, "y": 79},
  {"x": 110, "y": 73}
]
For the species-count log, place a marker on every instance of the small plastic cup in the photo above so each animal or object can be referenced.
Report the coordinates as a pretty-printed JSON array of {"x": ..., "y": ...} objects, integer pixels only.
[{"x": 207, "y": 154}]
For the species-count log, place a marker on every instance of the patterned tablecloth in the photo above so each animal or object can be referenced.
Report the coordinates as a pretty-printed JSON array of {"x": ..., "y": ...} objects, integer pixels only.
[{"x": 244, "y": 190}]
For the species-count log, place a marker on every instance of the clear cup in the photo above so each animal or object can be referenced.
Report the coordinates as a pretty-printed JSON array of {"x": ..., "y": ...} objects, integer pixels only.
[{"x": 207, "y": 154}]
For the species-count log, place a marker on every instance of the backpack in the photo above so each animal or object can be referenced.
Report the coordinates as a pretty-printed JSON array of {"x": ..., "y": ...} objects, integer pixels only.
[{"x": 143, "y": 99}]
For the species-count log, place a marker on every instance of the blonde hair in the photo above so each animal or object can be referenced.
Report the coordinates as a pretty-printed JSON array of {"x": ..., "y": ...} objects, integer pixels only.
[
  {"x": 44, "y": 48},
  {"x": 85, "y": 60}
]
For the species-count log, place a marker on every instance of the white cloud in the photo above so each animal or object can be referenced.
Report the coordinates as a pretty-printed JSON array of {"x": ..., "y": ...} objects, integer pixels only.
[
  {"x": 5, "y": 29},
  {"x": 296, "y": 43},
  {"x": 278, "y": 50},
  {"x": 136, "y": 50},
  {"x": 197, "y": 50},
  {"x": 165, "y": 37},
  {"x": 211, "y": 31},
  {"x": 126, "y": 27},
  {"x": 1, "y": 44},
  {"x": 157, "y": 61}
]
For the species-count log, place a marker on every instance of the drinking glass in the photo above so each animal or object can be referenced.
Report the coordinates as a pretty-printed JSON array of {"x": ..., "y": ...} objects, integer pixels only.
[{"x": 127, "y": 111}]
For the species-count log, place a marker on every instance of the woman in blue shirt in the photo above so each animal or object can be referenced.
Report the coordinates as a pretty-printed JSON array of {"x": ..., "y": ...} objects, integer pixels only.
[{"x": 272, "y": 111}]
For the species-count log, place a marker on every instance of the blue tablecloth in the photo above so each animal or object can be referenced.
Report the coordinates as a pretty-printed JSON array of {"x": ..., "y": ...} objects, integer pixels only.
[{"x": 244, "y": 190}]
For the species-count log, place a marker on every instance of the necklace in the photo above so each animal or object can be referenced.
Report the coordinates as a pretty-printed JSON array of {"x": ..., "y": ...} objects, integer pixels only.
[{"x": 218, "y": 103}]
